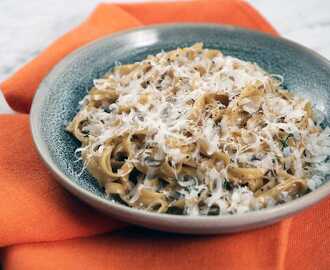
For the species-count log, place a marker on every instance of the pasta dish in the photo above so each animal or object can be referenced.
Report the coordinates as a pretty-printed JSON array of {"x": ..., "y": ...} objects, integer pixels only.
[{"x": 193, "y": 132}]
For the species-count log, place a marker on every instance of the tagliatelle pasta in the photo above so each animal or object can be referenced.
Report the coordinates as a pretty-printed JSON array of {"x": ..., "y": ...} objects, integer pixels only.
[{"x": 194, "y": 132}]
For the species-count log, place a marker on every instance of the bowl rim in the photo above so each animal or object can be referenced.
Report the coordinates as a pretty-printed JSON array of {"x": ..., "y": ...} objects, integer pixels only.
[{"x": 109, "y": 206}]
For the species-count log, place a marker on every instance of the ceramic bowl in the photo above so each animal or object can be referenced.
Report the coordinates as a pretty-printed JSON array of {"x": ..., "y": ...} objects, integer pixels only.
[{"x": 56, "y": 102}]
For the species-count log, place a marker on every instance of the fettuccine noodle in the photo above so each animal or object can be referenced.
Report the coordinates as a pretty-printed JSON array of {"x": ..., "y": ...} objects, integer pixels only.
[{"x": 194, "y": 132}]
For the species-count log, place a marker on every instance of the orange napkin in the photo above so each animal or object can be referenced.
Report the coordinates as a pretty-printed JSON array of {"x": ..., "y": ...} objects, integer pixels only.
[{"x": 44, "y": 227}]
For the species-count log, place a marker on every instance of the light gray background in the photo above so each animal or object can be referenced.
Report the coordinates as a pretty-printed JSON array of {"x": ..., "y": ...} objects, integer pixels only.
[{"x": 27, "y": 27}]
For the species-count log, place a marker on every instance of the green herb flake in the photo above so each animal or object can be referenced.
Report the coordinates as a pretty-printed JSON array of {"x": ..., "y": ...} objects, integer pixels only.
[
  {"x": 285, "y": 142},
  {"x": 227, "y": 185}
]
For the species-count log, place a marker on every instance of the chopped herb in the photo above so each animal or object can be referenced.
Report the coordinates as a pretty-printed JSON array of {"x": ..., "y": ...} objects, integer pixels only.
[
  {"x": 323, "y": 124},
  {"x": 175, "y": 210},
  {"x": 107, "y": 110},
  {"x": 285, "y": 142},
  {"x": 227, "y": 185},
  {"x": 214, "y": 211}
]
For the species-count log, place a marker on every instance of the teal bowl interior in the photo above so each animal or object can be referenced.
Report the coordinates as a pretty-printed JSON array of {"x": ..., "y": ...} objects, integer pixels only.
[{"x": 57, "y": 99}]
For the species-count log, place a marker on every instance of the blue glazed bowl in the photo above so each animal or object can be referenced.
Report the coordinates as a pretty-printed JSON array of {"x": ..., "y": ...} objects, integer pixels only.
[{"x": 56, "y": 102}]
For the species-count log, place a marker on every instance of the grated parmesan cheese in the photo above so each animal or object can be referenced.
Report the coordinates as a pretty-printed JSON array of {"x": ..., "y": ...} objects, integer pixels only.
[{"x": 194, "y": 106}]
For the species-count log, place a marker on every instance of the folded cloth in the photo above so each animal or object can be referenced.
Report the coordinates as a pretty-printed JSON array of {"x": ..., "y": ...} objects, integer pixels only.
[
  {"x": 298, "y": 243},
  {"x": 44, "y": 227},
  {"x": 33, "y": 206}
]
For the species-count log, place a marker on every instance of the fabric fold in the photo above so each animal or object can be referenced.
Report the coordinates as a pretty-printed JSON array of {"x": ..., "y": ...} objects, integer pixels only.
[
  {"x": 228, "y": 12},
  {"x": 143, "y": 249},
  {"x": 33, "y": 206},
  {"x": 300, "y": 242}
]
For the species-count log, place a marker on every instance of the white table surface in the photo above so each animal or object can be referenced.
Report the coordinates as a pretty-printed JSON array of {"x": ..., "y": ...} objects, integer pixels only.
[{"x": 28, "y": 28}]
